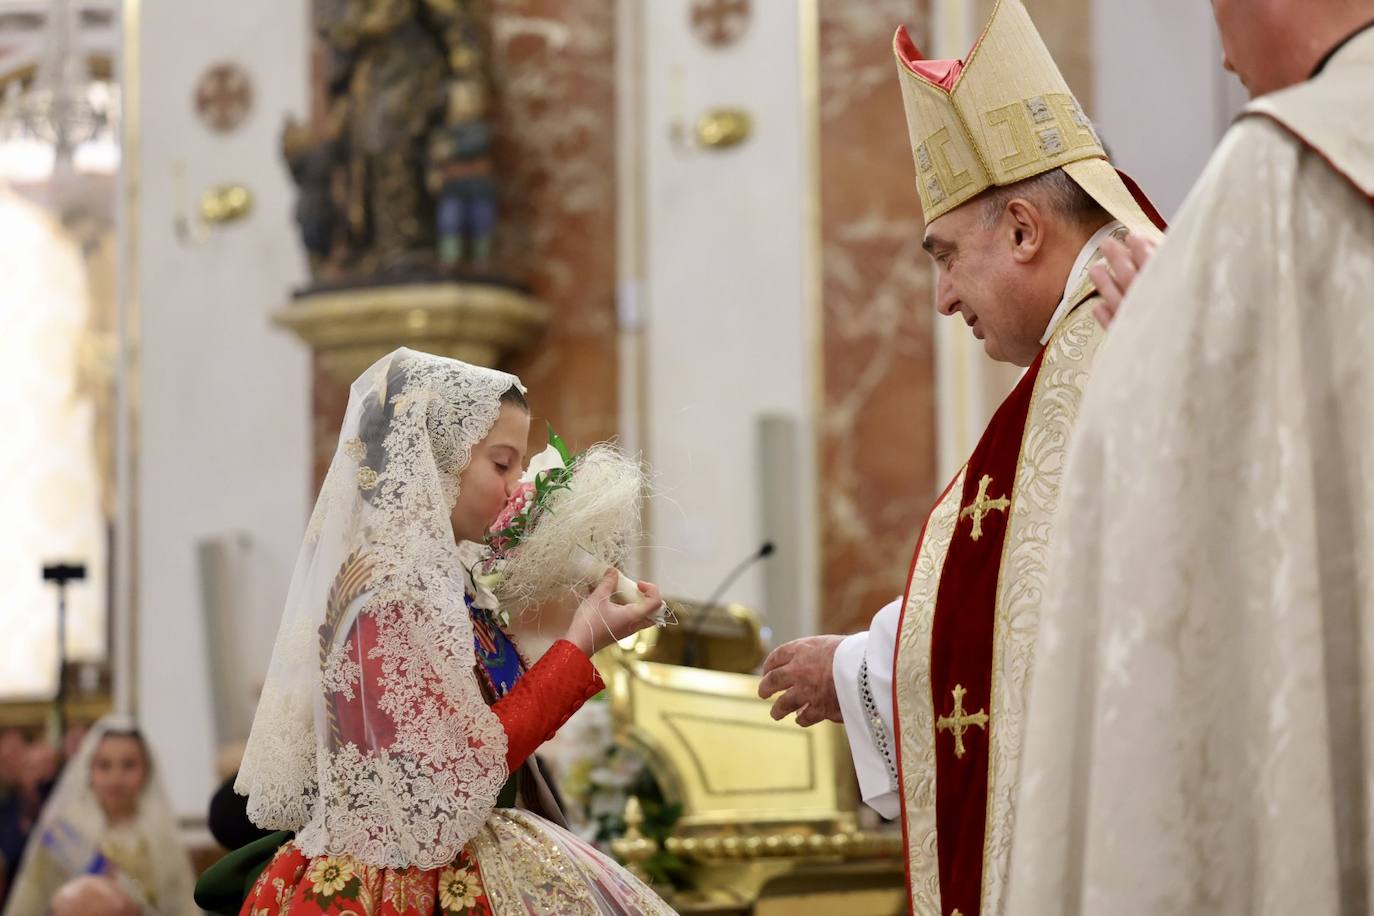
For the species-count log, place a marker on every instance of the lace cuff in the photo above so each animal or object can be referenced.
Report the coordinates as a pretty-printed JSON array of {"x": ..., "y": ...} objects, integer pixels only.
[
  {"x": 877, "y": 729},
  {"x": 544, "y": 698}
]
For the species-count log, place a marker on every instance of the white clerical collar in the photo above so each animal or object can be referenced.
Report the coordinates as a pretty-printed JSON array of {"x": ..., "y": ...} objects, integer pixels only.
[{"x": 1080, "y": 267}]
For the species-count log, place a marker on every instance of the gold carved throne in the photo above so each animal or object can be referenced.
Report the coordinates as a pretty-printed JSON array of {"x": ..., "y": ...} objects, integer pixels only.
[{"x": 769, "y": 821}]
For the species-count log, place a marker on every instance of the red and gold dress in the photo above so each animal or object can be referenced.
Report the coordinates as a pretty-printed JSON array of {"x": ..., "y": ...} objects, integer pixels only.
[{"x": 521, "y": 862}]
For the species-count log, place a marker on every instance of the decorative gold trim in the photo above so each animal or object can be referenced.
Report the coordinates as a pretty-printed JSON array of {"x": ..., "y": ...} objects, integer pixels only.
[
  {"x": 634, "y": 848},
  {"x": 917, "y": 735},
  {"x": 351, "y": 329},
  {"x": 1035, "y": 491},
  {"x": 853, "y": 844},
  {"x": 36, "y": 714}
]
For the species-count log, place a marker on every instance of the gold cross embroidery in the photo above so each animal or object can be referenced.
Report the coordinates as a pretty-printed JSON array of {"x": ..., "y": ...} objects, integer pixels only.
[
  {"x": 959, "y": 722},
  {"x": 982, "y": 506}
]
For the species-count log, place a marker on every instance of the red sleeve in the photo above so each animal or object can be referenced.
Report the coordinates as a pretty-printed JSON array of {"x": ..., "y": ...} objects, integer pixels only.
[{"x": 544, "y": 698}]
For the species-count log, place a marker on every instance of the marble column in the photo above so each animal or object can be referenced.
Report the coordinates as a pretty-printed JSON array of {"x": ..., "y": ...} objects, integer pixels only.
[{"x": 877, "y": 426}]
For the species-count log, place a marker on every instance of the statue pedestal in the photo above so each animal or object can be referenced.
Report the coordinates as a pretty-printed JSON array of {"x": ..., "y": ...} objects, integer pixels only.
[{"x": 350, "y": 329}]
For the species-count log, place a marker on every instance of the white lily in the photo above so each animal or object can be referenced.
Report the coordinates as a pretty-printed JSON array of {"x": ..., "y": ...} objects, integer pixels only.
[{"x": 547, "y": 460}]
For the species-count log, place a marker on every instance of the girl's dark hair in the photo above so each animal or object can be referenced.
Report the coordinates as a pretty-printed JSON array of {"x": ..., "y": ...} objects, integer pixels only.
[
  {"x": 135, "y": 734},
  {"x": 375, "y": 421}
]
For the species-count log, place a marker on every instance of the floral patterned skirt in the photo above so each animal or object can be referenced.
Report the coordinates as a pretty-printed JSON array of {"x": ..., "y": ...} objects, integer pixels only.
[{"x": 519, "y": 865}]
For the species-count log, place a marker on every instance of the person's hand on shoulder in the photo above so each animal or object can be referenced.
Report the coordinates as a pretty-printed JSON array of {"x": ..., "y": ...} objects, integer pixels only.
[{"x": 1114, "y": 275}]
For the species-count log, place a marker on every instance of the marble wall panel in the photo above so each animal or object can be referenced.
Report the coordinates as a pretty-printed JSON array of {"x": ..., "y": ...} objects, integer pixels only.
[{"x": 877, "y": 454}]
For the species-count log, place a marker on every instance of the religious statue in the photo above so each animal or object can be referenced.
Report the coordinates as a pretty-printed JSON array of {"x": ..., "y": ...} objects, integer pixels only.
[
  {"x": 394, "y": 173},
  {"x": 460, "y": 176},
  {"x": 313, "y": 161}
]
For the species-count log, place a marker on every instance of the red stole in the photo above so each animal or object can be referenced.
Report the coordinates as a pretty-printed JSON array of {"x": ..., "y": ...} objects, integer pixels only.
[{"x": 962, "y": 650}]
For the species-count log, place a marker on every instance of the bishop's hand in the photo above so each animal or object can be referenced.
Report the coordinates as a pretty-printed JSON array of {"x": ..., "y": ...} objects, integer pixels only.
[{"x": 803, "y": 670}]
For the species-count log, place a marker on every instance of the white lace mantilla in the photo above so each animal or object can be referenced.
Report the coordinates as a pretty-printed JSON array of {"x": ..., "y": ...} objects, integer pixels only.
[{"x": 418, "y": 772}]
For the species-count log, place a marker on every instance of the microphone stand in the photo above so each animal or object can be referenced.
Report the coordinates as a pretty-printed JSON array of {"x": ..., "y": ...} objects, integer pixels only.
[
  {"x": 60, "y": 574},
  {"x": 693, "y": 630}
]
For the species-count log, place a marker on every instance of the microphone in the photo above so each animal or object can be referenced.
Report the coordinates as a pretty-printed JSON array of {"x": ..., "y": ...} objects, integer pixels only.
[
  {"x": 62, "y": 573},
  {"x": 689, "y": 643}
]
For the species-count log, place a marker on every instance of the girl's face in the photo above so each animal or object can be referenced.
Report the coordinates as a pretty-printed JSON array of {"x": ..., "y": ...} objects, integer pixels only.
[
  {"x": 118, "y": 771},
  {"x": 491, "y": 475}
]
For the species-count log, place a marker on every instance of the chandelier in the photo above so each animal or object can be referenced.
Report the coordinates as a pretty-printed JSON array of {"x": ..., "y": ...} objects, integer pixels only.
[{"x": 62, "y": 105}]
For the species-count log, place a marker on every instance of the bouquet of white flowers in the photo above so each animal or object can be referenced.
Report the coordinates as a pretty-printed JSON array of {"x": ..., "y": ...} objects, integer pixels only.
[{"x": 571, "y": 517}]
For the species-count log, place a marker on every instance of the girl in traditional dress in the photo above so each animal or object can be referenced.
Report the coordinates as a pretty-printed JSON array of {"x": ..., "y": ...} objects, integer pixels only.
[
  {"x": 394, "y": 732},
  {"x": 108, "y": 814}
]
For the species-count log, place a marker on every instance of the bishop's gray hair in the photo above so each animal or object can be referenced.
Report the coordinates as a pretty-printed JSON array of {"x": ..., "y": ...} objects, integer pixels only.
[{"x": 1053, "y": 191}]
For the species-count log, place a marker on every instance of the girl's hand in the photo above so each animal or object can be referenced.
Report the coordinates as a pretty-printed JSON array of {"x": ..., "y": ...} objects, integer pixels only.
[{"x": 599, "y": 621}]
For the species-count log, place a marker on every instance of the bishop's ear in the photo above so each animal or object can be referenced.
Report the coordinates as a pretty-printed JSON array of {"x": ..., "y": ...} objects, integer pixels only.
[{"x": 1025, "y": 225}]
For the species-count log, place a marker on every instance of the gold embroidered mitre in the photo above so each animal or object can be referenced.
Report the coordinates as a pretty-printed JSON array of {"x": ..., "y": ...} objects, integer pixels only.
[{"x": 1002, "y": 115}]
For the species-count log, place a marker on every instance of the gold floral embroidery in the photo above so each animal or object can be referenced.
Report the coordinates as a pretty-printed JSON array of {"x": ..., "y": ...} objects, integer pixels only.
[
  {"x": 367, "y": 478},
  {"x": 328, "y": 875},
  {"x": 260, "y": 885},
  {"x": 355, "y": 449},
  {"x": 1022, "y": 581},
  {"x": 407, "y": 890},
  {"x": 281, "y": 903},
  {"x": 530, "y": 866},
  {"x": 917, "y": 718},
  {"x": 1035, "y": 494},
  {"x": 283, "y": 895},
  {"x": 459, "y": 889}
]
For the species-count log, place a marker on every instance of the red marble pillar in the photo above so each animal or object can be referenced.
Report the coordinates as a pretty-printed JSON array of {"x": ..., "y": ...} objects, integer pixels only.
[
  {"x": 553, "y": 69},
  {"x": 877, "y": 430}
]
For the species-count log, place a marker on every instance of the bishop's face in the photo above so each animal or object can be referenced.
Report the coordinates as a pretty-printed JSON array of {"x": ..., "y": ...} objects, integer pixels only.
[{"x": 981, "y": 281}]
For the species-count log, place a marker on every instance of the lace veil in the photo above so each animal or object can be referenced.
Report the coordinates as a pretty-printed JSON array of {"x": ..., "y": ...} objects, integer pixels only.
[{"x": 383, "y": 749}]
